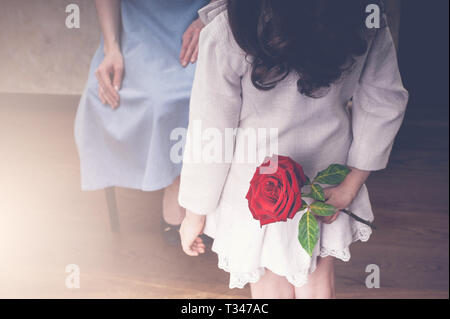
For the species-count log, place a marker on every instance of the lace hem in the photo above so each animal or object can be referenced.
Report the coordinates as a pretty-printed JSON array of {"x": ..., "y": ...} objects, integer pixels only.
[
  {"x": 240, "y": 279},
  {"x": 362, "y": 234}
]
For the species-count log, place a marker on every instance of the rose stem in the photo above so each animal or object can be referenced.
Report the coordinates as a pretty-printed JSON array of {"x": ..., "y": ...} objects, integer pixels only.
[{"x": 359, "y": 219}]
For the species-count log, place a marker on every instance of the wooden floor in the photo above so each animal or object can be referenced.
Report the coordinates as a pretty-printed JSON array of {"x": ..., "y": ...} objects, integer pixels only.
[{"x": 46, "y": 222}]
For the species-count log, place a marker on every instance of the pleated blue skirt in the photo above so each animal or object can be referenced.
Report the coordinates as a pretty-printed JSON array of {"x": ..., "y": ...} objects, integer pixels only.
[{"x": 131, "y": 146}]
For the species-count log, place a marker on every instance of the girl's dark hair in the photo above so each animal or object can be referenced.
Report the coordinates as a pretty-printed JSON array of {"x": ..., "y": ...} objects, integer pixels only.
[{"x": 316, "y": 39}]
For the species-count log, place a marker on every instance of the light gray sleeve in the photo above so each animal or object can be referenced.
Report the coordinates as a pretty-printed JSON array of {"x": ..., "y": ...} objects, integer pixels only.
[
  {"x": 215, "y": 106},
  {"x": 379, "y": 105}
]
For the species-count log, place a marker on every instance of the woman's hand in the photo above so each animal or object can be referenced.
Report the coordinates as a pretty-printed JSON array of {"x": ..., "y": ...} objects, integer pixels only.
[
  {"x": 109, "y": 75},
  {"x": 189, "y": 49},
  {"x": 110, "y": 72},
  {"x": 191, "y": 228},
  {"x": 342, "y": 196}
]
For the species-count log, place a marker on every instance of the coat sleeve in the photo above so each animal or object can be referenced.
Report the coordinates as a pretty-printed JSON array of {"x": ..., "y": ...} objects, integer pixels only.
[
  {"x": 379, "y": 105},
  {"x": 214, "y": 108}
]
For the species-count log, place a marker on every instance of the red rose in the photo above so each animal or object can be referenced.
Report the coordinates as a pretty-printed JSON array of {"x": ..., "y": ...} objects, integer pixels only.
[{"x": 276, "y": 197}]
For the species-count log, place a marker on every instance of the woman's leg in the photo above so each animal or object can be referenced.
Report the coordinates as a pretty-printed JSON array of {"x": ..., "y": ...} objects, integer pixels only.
[
  {"x": 272, "y": 286},
  {"x": 320, "y": 283},
  {"x": 173, "y": 213}
]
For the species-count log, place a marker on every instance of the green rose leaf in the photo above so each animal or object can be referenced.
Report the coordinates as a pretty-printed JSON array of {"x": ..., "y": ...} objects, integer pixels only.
[
  {"x": 317, "y": 192},
  {"x": 308, "y": 232},
  {"x": 322, "y": 209},
  {"x": 333, "y": 175}
]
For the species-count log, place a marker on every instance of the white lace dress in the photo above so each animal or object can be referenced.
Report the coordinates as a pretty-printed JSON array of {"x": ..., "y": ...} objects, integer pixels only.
[{"x": 313, "y": 132}]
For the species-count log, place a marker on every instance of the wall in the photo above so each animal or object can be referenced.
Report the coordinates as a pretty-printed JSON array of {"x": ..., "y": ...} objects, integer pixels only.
[
  {"x": 38, "y": 54},
  {"x": 424, "y": 53}
]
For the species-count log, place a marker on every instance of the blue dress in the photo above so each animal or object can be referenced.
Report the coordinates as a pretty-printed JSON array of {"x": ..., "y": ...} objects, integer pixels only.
[{"x": 131, "y": 146}]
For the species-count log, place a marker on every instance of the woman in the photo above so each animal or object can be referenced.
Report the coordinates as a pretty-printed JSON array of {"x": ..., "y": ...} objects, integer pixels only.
[{"x": 138, "y": 92}]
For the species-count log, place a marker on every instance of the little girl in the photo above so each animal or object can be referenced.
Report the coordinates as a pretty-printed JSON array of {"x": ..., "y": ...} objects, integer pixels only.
[{"x": 294, "y": 66}]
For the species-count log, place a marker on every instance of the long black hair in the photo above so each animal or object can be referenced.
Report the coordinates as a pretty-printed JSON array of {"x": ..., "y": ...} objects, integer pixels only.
[{"x": 317, "y": 39}]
